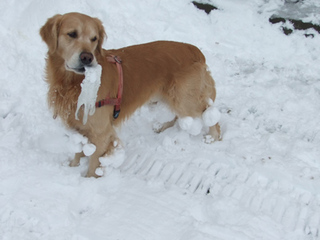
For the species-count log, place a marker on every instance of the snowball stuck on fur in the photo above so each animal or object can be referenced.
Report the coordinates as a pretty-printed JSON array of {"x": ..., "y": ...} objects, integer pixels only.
[
  {"x": 89, "y": 149},
  {"x": 211, "y": 116},
  {"x": 196, "y": 127},
  {"x": 185, "y": 123},
  {"x": 89, "y": 89},
  {"x": 99, "y": 171},
  {"x": 192, "y": 125},
  {"x": 210, "y": 102}
]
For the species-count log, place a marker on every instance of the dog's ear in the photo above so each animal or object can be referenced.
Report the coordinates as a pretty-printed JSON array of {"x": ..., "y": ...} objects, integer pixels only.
[
  {"x": 50, "y": 31},
  {"x": 102, "y": 34}
]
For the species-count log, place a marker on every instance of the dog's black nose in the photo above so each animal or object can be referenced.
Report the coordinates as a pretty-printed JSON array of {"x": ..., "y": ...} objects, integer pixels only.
[{"x": 86, "y": 58}]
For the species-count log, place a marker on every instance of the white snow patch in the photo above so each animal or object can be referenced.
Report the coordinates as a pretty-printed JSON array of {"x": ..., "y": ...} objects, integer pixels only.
[
  {"x": 59, "y": 142},
  {"x": 89, "y": 89},
  {"x": 115, "y": 159}
]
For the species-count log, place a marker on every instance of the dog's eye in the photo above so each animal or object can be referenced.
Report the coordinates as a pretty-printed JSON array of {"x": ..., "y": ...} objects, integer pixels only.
[
  {"x": 73, "y": 34},
  {"x": 94, "y": 39}
]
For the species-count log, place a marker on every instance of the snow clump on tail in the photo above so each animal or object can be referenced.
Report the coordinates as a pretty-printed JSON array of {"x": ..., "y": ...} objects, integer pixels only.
[{"x": 89, "y": 90}]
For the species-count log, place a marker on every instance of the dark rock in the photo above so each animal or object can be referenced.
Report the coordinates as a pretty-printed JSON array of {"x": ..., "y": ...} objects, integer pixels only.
[
  {"x": 297, "y": 24},
  {"x": 293, "y": 11},
  {"x": 204, "y": 6}
]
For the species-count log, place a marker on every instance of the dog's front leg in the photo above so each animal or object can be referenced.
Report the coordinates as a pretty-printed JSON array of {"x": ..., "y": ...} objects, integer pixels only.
[
  {"x": 94, "y": 163},
  {"x": 76, "y": 161},
  {"x": 104, "y": 143}
]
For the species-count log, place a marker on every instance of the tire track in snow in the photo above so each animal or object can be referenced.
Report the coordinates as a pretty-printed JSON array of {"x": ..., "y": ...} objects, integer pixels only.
[{"x": 294, "y": 208}]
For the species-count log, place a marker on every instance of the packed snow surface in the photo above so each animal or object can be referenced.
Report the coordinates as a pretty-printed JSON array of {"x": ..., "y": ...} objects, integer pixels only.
[
  {"x": 262, "y": 181},
  {"x": 89, "y": 90}
]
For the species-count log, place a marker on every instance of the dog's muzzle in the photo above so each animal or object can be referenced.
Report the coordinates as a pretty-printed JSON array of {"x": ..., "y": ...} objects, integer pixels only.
[{"x": 85, "y": 59}]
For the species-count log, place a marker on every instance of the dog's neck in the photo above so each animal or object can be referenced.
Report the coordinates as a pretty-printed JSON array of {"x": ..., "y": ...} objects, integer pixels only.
[{"x": 64, "y": 88}]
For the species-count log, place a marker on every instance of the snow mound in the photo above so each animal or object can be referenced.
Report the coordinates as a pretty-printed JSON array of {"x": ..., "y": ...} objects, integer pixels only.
[
  {"x": 114, "y": 160},
  {"x": 89, "y": 89},
  {"x": 61, "y": 142}
]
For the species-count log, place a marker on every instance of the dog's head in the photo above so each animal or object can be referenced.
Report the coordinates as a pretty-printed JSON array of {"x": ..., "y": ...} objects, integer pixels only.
[{"x": 76, "y": 38}]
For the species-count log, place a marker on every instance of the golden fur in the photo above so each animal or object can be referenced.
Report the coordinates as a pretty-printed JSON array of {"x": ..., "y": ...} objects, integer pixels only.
[{"x": 174, "y": 72}]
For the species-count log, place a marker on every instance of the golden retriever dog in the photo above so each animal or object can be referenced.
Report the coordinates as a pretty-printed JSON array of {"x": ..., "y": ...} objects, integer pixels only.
[{"x": 175, "y": 73}]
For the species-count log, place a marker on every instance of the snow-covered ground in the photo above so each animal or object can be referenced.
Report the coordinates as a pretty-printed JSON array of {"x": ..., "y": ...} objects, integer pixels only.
[{"x": 261, "y": 182}]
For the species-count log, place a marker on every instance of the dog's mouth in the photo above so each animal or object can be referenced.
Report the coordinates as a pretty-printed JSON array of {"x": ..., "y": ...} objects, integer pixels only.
[{"x": 78, "y": 70}]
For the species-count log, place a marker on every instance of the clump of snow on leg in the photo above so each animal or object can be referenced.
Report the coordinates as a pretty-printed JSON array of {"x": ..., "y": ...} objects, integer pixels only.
[
  {"x": 99, "y": 171},
  {"x": 196, "y": 127},
  {"x": 211, "y": 115},
  {"x": 89, "y": 149},
  {"x": 192, "y": 125},
  {"x": 185, "y": 123},
  {"x": 89, "y": 89}
]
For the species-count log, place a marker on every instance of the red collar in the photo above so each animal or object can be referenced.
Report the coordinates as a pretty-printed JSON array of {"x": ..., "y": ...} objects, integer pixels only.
[{"x": 114, "y": 101}]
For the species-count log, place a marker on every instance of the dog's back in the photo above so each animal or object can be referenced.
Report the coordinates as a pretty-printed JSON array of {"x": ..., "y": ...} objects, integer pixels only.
[{"x": 175, "y": 72}]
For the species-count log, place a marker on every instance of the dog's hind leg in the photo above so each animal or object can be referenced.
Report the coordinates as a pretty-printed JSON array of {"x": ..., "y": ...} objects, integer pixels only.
[
  {"x": 165, "y": 125},
  {"x": 214, "y": 134},
  {"x": 191, "y": 93}
]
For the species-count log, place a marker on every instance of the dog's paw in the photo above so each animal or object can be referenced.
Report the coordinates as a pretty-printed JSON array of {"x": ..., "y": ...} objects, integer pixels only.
[
  {"x": 74, "y": 163},
  {"x": 160, "y": 127},
  {"x": 96, "y": 174},
  {"x": 157, "y": 127},
  {"x": 208, "y": 139}
]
